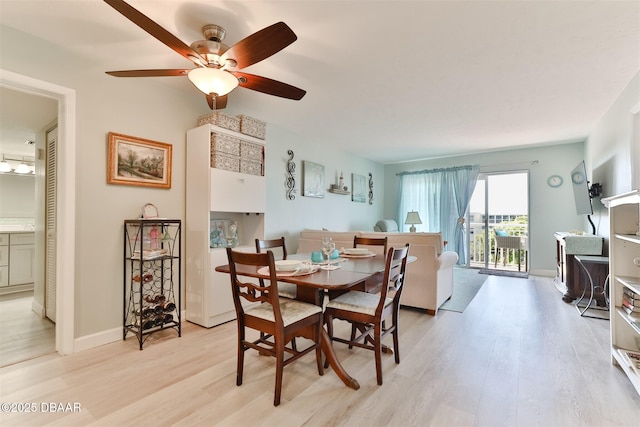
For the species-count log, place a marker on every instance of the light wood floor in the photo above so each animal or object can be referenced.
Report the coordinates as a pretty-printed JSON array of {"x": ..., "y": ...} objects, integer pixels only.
[
  {"x": 517, "y": 356},
  {"x": 23, "y": 334}
]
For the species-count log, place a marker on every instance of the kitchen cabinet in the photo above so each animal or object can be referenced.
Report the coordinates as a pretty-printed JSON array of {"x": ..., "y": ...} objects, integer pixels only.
[
  {"x": 4, "y": 259},
  {"x": 17, "y": 261}
]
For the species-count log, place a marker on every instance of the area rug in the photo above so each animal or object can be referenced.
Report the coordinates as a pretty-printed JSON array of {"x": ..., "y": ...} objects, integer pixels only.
[
  {"x": 466, "y": 284},
  {"x": 519, "y": 274}
]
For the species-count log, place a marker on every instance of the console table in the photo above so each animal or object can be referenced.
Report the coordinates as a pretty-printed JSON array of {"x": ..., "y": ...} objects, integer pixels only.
[
  {"x": 593, "y": 266},
  {"x": 567, "y": 279}
]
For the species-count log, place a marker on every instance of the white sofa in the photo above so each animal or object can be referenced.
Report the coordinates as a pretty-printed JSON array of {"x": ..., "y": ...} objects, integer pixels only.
[{"x": 429, "y": 281}]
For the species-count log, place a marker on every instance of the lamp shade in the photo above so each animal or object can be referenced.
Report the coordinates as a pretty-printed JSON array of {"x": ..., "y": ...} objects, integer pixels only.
[
  {"x": 213, "y": 80},
  {"x": 413, "y": 218}
]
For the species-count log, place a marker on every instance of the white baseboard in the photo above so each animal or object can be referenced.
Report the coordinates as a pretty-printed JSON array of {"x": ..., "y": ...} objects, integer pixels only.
[
  {"x": 37, "y": 308},
  {"x": 101, "y": 338},
  {"x": 546, "y": 273},
  {"x": 94, "y": 340}
]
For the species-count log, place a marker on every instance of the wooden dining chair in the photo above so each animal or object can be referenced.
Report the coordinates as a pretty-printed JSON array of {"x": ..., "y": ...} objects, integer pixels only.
[
  {"x": 287, "y": 290},
  {"x": 368, "y": 312},
  {"x": 280, "y": 318},
  {"x": 371, "y": 241},
  {"x": 373, "y": 285}
]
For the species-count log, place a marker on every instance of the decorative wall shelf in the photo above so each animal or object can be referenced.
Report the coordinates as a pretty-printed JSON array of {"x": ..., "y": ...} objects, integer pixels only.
[{"x": 336, "y": 191}]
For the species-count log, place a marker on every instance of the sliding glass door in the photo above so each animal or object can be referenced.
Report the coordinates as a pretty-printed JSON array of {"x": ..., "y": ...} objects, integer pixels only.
[{"x": 498, "y": 219}]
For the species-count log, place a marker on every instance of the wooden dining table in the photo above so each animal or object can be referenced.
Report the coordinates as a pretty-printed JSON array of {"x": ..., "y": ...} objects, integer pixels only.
[{"x": 361, "y": 273}]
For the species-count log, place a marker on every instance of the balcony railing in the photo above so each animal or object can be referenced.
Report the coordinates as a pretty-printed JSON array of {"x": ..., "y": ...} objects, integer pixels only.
[{"x": 507, "y": 259}]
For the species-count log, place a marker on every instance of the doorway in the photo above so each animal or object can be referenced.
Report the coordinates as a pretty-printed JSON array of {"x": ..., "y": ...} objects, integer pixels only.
[
  {"x": 27, "y": 321},
  {"x": 499, "y": 222},
  {"x": 65, "y": 199}
]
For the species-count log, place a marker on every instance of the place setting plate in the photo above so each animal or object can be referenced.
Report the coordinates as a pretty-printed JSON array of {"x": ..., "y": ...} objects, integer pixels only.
[
  {"x": 357, "y": 253},
  {"x": 286, "y": 268}
]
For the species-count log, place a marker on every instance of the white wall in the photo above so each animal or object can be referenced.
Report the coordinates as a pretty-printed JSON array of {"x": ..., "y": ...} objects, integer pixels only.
[
  {"x": 334, "y": 212},
  {"x": 609, "y": 149},
  {"x": 162, "y": 111},
  {"x": 550, "y": 209}
]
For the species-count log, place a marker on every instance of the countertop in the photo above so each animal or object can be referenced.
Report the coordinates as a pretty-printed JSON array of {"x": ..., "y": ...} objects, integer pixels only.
[{"x": 15, "y": 229}]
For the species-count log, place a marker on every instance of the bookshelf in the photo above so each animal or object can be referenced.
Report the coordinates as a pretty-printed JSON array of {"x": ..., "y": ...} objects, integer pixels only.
[{"x": 624, "y": 255}]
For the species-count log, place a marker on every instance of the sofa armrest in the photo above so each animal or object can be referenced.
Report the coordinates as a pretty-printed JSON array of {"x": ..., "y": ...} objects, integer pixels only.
[{"x": 447, "y": 259}]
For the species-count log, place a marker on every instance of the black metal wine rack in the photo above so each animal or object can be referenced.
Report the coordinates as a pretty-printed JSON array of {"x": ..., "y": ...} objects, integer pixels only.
[{"x": 152, "y": 272}]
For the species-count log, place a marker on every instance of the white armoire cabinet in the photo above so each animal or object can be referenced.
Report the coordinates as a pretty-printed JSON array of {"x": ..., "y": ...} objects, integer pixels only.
[
  {"x": 218, "y": 196},
  {"x": 624, "y": 257}
]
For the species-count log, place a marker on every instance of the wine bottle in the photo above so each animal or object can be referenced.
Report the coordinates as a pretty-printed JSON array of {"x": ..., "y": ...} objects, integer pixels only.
[
  {"x": 146, "y": 312},
  {"x": 168, "y": 307},
  {"x": 168, "y": 318},
  {"x": 149, "y": 324},
  {"x": 155, "y": 299}
]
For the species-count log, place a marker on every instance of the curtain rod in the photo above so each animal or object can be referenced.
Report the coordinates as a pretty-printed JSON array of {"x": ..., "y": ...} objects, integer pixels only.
[
  {"x": 454, "y": 168},
  {"x": 531, "y": 163}
]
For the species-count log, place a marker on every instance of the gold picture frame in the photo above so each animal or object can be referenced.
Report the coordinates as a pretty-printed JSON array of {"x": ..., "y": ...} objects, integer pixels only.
[{"x": 138, "y": 161}]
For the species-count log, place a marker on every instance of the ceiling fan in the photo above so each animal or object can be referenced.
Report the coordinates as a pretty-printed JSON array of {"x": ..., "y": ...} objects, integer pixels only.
[{"x": 216, "y": 72}]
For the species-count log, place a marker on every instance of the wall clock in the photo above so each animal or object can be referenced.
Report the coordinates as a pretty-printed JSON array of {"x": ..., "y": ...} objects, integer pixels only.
[{"x": 554, "y": 181}]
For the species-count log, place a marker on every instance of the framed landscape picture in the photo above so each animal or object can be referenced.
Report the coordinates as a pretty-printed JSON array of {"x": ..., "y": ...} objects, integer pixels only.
[
  {"x": 358, "y": 188},
  {"x": 137, "y": 161},
  {"x": 312, "y": 179}
]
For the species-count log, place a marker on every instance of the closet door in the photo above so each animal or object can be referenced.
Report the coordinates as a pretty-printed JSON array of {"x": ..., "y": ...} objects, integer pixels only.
[{"x": 50, "y": 226}]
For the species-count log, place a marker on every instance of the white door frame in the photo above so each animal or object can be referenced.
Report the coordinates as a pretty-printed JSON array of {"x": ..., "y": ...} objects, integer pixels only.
[
  {"x": 66, "y": 198},
  {"x": 485, "y": 176}
]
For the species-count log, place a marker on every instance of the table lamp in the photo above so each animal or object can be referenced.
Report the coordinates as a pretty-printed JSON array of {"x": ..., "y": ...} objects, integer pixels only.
[{"x": 413, "y": 218}]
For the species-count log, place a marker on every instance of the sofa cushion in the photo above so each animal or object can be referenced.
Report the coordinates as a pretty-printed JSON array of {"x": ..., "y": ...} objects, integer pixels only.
[
  {"x": 397, "y": 240},
  {"x": 388, "y": 225}
]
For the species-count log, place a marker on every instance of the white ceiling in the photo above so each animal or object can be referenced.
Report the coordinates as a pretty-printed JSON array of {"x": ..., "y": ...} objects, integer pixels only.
[{"x": 390, "y": 80}]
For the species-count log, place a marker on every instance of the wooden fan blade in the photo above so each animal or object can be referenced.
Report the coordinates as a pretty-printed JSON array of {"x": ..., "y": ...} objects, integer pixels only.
[
  {"x": 269, "y": 86},
  {"x": 148, "y": 73},
  {"x": 260, "y": 45},
  {"x": 217, "y": 102},
  {"x": 157, "y": 31}
]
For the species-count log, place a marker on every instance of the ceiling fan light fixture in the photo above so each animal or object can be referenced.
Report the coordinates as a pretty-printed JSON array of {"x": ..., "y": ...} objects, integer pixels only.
[{"x": 213, "y": 80}]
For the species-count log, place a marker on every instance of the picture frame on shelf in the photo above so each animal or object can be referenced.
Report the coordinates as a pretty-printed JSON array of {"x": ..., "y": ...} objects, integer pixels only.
[
  {"x": 139, "y": 162},
  {"x": 358, "y": 188},
  {"x": 312, "y": 179}
]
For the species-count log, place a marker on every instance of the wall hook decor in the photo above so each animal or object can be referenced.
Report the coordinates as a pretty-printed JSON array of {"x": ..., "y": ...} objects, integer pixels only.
[
  {"x": 291, "y": 180},
  {"x": 370, "y": 188}
]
